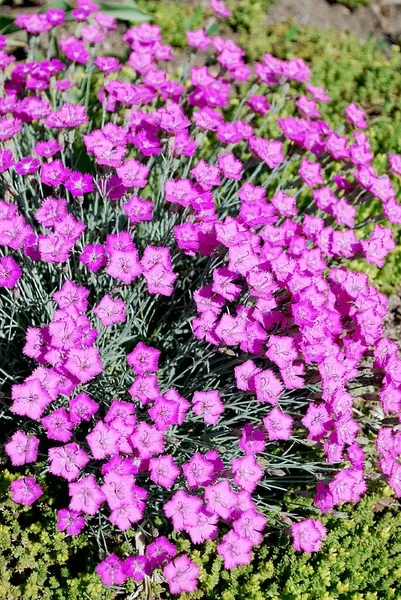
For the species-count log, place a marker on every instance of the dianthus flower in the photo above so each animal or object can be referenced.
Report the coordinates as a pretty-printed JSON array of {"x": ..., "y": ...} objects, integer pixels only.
[
  {"x": 22, "y": 449},
  {"x": 308, "y": 535},
  {"x": 112, "y": 571},
  {"x": 70, "y": 521},
  {"x": 110, "y": 311},
  {"x": 25, "y": 491},
  {"x": 182, "y": 575}
]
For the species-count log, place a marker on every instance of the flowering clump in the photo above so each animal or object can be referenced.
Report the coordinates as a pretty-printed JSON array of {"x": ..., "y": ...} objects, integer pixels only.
[{"x": 195, "y": 323}]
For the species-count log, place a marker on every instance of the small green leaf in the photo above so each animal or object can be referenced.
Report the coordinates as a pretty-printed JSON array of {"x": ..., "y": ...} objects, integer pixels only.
[
  {"x": 7, "y": 25},
  {"x": 127, "y": 11}
]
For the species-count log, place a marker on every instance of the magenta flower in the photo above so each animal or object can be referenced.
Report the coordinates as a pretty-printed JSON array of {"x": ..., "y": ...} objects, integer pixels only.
[
  {"x": 159, "y": 551},
  {"x": 82, "y": 408},
  {"x": 86, "y": 495},
  {"x": 67, "y": 461},
  {"x": 250, "y": 525},
  {"x": 147, "y": 440},
  {"x": 29, "y": 399},
  {"x": 79, "y": 184},
  {"x": 205, "y": 529},
  {"x": 133, "y": 174},
  {"x": 145, "y": 388},
  {"x": 209, "y": 405},
  {"x": 110, "y": 311},
  {"x": 159, "y": 280},
  {"x": 182, "y": 575},
  {"x": 27, "y": 165},
  {"x": 235, "y": 550},
  {"x": 58, "y": 425},
  {"x": 164, "y": 413},
  {"x": 163, "y": 471},
  {"x": 137, "y": 567},
  {"x": 308, "y": 535},
  {"x": 72, "y": 296},
  {"x": 22, "y": 449},
  {"x": 70, "y": 521},
  {"x": 54, "y": 173},
  {"x": 107, "y": 64},
  {"x": 183, "y": 510},
  {"x": 10, "y": 272},
  {"x": 138, "y": 210},
  {"x": 143, "y": 359},
  {"x": 94, "y": 257},
  {"x": 124, "y": 266},
  {"x": 103, "y": 440},
  {"x": 25, "y": 491},
  {"x": 278, "y": 425},
  {"x": 198, "y": 471},
  {"x": 84, "y": 363},
  {"x": 220, "y": 499},
  {"x": 112, "y": 571},
  {"x": 247, "y": 472},
  {"x": 51, "y": 211}
]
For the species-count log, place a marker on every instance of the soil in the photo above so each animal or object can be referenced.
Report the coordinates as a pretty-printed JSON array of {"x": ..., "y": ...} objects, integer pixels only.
[{"x": 382, "y": 18}]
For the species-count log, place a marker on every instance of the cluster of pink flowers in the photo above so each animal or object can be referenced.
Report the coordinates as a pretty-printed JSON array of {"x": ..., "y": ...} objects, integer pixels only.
[{"x": 170, "y": 180}]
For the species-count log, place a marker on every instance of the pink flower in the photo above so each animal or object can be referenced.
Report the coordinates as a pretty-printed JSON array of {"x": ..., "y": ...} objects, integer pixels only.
[
  {"x": 124, "y": 266},
  {"x": 159, "y": 551},
  {"x": 112, "y": 571},
  {"x": 164, "y": 413},
  {"x": 235, "y": 550},
  {"x": 9, "y": 272},
  {"x": 70, "y": 521},
  {"x": 268, "y": 387},
  {"x": 145, "y": 388},
  {"x": 247, "y": 472},
  {"x": 82, "y": 408},
  {"x": 25, "y": 491},
  {"x": 163, "y": 471},
  {"x": 125, "y": 515},
  {"x": 103, "y": 440},
  {"x": 198, "y": 471},
  {"x": 253, "y": 440},
  {"x": 137, "y": 567},
  {"x": 147, "y": 440},
  {"x": 86, "y": 495},
  {"x": 183, "y": 510},
  {"x": 159, "y": 280},
  {"x": 138, "y": 210},
  {"x": 133, "y": 174},
  {"x": 22, "y": 449},
  {"x": 220, "y": 499},
  {"x": 118, "y": 490},
  {"x": 84, "y": 363},
  {"x": 205, "y": 529},
  {"x": 144, "y": 359},
  {"x": 94, "y": 256},
  {"x": 278, "y": 425},
  {"x": 250, "y": 525},
  {"x": 308, "y": 535},
  {"x": 231, "y": 166},
  {"x": 356, "y": 116},
  {"x": 58, "y": 425},
  {"x": 54, "y": 173},
  {"x": 72, "y": 295},
  {"x": 182, "y": 575},
  {"x": 67, "y": 461},
  {"x": 110, "y": 311},
  {"x": 209, "y": 405},
  {"x": 79, "y": 184},
  {"x": 29, "y": 399}
]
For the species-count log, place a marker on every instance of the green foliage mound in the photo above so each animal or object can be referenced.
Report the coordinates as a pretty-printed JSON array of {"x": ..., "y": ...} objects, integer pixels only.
[{"x": 359, "y": 560}]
